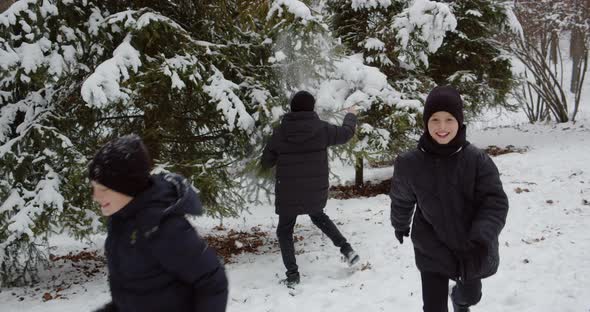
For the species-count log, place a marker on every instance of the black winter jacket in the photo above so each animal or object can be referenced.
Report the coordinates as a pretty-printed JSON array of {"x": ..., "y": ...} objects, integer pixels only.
[
  {"x": 156, "y": 259},
  {"x": 298, "y": 147},
  {"x": 459, "y": 202}
]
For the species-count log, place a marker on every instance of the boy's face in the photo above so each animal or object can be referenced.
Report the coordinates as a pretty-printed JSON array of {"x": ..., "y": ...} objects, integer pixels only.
[
  {"x": 442, "y": 127},
  {"x": 110, "y": 201}
]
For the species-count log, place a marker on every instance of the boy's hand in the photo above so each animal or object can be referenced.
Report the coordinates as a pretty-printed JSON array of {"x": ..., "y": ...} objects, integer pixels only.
[
  {"x": 400, "y": 235},
  {"x": 476, "y": 249},
  {"x": 352, "y": 109},
  {"x": 474, "y": 254}
]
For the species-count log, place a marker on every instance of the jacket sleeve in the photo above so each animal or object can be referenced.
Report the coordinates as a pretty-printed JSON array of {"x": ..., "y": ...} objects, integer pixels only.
[
  {"x": 491, "y": 203},
  {"x": 403, "y": 199},
  {"x": 185, "y": 255},
  {"x": 342, "y": 134},
  {"x": 270, "y": 154}
]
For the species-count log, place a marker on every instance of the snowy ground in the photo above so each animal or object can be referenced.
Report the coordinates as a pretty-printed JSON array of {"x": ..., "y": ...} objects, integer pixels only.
[{"x": 545, "y": 246}]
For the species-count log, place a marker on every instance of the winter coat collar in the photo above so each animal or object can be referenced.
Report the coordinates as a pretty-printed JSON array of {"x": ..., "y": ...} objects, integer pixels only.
[
  {"x": 168, "y": 194},
  {"x": 428, "y": 145},
  {"x": 303, "y": 115}
]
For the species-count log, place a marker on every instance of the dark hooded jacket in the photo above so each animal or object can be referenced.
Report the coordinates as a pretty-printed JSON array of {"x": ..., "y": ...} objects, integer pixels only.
[
  {"x": 459, "y": 203},
  {"x": 156, "y": 259},
  {"x": 298, "y": 147}
]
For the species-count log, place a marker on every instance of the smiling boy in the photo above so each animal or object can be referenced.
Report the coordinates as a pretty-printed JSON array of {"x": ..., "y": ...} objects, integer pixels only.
[{"x": 459, "y": 203}]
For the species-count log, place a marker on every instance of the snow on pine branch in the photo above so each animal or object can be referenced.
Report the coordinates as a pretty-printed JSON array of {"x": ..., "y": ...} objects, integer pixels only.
[
  {"x": 221, "y": 92},
  {"x": 188, "y": 64},
  {"x": 511, "y": 19},
  {"x": 146, "y": 18},
  {"x": 373, "y": 44},
  {"x": 426, "y": 23},
  {"x": 95, "y": 21},
  {"x": 128, "y": 20},
  {"x": 462, "y": 77},
  {"x": 11, "y": 15},
  {"x": 102, "y": 87},
  {"x": 379, "y": 137},
  {"x": 32, "y": 55},
  {"x": 7, "y": 115},
  {"x": 35, "y": 108},
  {"x": 5, "y": 96},
  {"x": 475, "y": 13},
  {"x": 353, "y": 82},
  {"x": 260, "y": 98},
  {"x": 8, "y": 57},
  {"x": 28, "y": 56},
  {"x": 295, "y": 7},
  {"x": 370, "y": 4},
  {"x": 29, "y": 205},
  {"x": 23, "y": 55}
]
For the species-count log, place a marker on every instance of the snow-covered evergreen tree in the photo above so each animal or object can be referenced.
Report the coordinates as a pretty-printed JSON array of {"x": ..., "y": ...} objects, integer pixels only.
[
  {"x": 419, "y": 43},
  {"x": 203, "y": 82},
  {"x": 471, "y": 57},
  {"x": 43, "y": 188},
  {"x": 76, "y": 73},
  {"x": 312, "y": 58},
  {"x": 545, "y": 92}
]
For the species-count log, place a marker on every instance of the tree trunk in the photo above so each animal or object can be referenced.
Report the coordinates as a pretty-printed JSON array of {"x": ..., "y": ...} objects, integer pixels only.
[
  {"x": 358, "y": 172},
  {"x": 577, "y": 48},
  {"x": 578, "y": 93},
  {"x": 577, "y": 44},
  {"x": 579, "y": 51},
  {"x": 554, "y": 47}
]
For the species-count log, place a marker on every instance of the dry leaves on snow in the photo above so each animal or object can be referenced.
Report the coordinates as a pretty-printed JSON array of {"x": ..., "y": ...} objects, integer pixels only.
[{"x": 366, "y": 190}]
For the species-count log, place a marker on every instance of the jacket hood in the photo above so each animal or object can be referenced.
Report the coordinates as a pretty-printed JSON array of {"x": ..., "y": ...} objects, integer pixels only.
[
  {"x": 299, "y": 127},
  {"x": 168, "y": 194}
]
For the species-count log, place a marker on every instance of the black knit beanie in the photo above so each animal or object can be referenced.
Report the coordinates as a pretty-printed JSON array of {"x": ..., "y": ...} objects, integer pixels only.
[
  {"x": 446, "y": 99},
  {"x": 123, "y": 165},
  {"x": 302, "y": 101}
]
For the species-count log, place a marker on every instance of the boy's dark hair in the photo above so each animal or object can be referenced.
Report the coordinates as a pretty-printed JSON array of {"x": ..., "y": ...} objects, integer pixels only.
[
  {"x": 123, "y": 165},
  {"x": 302, "y": 101},
  {"x": 443, "y": 98}
]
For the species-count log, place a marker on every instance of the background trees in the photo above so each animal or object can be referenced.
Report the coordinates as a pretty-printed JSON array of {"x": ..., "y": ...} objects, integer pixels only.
[
  {"x": 551, "y": 83},
  {"x": 204, "y": 82},
  {"x": 420, "y": 44}
]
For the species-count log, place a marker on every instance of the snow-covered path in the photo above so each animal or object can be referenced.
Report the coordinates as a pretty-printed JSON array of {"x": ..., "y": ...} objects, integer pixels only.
[{"x": 545, "y": 246}]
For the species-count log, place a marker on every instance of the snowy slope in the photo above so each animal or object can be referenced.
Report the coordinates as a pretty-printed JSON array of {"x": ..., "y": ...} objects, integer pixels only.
[{"x": 545, "y": 246}]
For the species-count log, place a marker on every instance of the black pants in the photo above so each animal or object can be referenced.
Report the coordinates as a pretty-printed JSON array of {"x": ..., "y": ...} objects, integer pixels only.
[
  {"x": 435, "y": 292},
  {"x": 285, "y": 236}
]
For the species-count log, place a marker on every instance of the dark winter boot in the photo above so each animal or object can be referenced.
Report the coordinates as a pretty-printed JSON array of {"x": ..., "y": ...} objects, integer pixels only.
[
  {"x": 459, "y": 308},
  {"x": 349, "y": 255},
  {"x": 292, "y": 279},
  {"x": 465, "y": 294}
]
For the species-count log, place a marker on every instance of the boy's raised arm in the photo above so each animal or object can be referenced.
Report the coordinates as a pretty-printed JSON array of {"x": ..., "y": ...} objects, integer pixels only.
[{"x": 342, "y": 134}]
